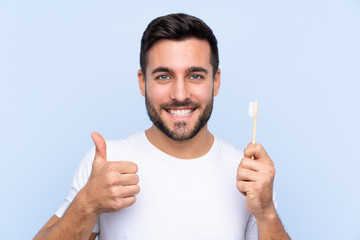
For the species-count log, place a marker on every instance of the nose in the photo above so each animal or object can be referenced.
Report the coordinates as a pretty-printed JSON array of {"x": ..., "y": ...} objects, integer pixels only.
[{"x": 180, "y": 91}]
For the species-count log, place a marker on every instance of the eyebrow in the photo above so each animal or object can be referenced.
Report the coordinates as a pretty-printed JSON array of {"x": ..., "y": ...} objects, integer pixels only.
[
  {"x": 196, "y": 69},
  {"x": 189, "y": 70},
  {"x": 161, "y": 69}
]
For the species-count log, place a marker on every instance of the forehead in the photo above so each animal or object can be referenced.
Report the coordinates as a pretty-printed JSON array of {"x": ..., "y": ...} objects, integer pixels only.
[{"x": 179, "y": 54}]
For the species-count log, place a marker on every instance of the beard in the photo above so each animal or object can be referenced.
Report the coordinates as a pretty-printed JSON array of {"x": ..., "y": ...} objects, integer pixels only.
[{"x": 182, "y": 131}]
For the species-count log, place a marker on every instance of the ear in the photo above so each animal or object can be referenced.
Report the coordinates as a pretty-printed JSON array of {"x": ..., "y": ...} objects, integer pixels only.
[
  {"x": 217, "y": 82},
  {"x": 141, "y": 79}
]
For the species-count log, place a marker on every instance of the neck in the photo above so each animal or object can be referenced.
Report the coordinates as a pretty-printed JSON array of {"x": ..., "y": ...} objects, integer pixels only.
[{"x": 196, "y": 147}]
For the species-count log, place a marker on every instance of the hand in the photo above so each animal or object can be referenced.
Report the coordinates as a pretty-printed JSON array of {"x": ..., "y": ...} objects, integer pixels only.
[
  {"x": 112, "y": 186},
  {"x": 255, "y": 181}
]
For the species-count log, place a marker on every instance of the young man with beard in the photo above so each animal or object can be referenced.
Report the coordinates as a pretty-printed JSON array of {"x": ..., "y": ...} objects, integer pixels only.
[{"x": 193, "y": 185}]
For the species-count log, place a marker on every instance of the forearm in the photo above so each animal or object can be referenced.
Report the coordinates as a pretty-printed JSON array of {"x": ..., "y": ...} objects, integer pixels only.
[
  {"x": 271, "y": 228},
  {"x": 77, "y": 222}
]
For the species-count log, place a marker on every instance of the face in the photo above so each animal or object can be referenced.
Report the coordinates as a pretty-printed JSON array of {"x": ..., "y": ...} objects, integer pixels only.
[{"x": 179, "y": 87}]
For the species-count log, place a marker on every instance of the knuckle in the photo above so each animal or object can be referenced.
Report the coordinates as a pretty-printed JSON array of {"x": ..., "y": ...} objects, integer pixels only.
[
  {"x": 239, "y": 185},
  {"x": 258, "y": 187},
  {"x": 108, "y": 179},
  {"x": 269, "y": 161},
  {"x": 258, "y": 147},
  {"x": 115, "y": 192},
  {"x": 111, "y": 180},
  {"x": 252, "y": 197},
  {"x": 119, "y": 203},
  {"x": 240, "y": 172},
  {"x": 241, "y": 163},
  {"x": 272, "y": 171},
  {"x": 246, "y": 151},
  {"x": 267, "y": 179},
  {"x": 120, "y": 191}
]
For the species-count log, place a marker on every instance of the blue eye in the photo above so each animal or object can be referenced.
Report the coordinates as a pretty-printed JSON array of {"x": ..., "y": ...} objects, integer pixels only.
[
  {"x": 163, "y": 77},
  {"x": 196, "y": 77}
]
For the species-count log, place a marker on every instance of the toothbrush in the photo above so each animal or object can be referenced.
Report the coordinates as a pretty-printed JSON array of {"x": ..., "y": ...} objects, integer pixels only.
[{"x": 253, "y": 113}]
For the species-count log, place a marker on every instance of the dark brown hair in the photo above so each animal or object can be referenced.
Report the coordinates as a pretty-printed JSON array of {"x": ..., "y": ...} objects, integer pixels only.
[{"x": 177, "y": 27}]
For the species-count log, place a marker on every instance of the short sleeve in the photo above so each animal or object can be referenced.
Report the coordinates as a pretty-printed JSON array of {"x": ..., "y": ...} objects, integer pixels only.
[{"x": 80, "y": 178}]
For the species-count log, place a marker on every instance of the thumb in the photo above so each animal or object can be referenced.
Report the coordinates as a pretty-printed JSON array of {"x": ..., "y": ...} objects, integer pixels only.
[{"x": 100, "y": 147}]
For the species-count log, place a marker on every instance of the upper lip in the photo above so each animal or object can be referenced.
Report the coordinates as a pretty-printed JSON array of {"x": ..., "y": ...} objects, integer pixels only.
[{"x": 178, "y": 108}]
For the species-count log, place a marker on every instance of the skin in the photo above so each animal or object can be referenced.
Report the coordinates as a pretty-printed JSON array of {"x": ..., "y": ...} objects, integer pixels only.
[
  {"x": 255, "y": 178},
  {"x": 177, "y": 71},
  {"x": 180, "y": 84},
  {"x": 111, "y": 187}
]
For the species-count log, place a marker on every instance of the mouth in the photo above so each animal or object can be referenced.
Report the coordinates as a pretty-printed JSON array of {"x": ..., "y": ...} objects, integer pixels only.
[{"x": 184, "y": 112}]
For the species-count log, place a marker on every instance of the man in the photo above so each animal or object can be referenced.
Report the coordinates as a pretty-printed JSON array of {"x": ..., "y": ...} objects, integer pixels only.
[{"x": 190, "y": 180}]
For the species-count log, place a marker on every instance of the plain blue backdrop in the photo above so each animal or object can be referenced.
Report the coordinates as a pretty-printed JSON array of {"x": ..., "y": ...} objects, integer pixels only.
[{"x": 68, "y": 68}]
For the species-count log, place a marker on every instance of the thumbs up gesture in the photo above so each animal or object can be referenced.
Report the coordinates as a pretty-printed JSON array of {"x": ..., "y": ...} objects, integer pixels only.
[
  {"x": 112, "y": 186},
  {"x": 255, "y": 179}
]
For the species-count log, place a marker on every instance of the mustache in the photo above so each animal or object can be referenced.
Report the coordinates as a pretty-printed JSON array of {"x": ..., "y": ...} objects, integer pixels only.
[{"x": 175, "y": 103}]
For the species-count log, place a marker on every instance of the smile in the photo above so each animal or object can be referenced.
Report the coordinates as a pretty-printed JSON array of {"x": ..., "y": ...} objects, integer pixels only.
[{"x": 180, "y": 112}]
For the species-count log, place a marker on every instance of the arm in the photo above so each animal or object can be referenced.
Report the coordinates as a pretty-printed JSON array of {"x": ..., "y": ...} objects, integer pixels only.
[
  {"x": 271, "y": 228},
  {"x": 75, "y": 222},
  {"x": 111, "y": 187},
  {"x": 52, "y": 221},
  {"x": 255, "y": 181}
]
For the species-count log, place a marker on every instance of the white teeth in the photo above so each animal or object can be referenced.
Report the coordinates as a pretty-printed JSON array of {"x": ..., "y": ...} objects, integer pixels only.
[{"x": 180, "y": 113}]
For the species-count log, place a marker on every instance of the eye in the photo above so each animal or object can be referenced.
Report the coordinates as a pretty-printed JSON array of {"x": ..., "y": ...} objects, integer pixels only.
[
  {"x": 196, "y": 76},
  {"x": 163, "y": 77}
]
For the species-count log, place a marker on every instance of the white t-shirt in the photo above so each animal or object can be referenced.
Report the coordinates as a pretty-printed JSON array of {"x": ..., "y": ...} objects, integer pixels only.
[{"x": 179, "y": 199}]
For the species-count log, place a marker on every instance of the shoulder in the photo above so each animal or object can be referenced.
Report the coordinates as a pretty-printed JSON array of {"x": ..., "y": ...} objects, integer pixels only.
[
  {"x": 227, "y": 149},
  {"x": 228, "y": 155},
  {"x": 121, "y": 149}
]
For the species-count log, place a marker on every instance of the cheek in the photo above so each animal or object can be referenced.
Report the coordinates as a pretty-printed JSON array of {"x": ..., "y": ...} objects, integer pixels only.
[
  {"x": 203, "y": 93},
  {"x": 157, "y": 94}
]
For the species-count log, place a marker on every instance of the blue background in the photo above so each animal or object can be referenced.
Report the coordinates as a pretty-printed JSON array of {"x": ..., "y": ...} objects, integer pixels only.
[{"x": 68, "y": 68}]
